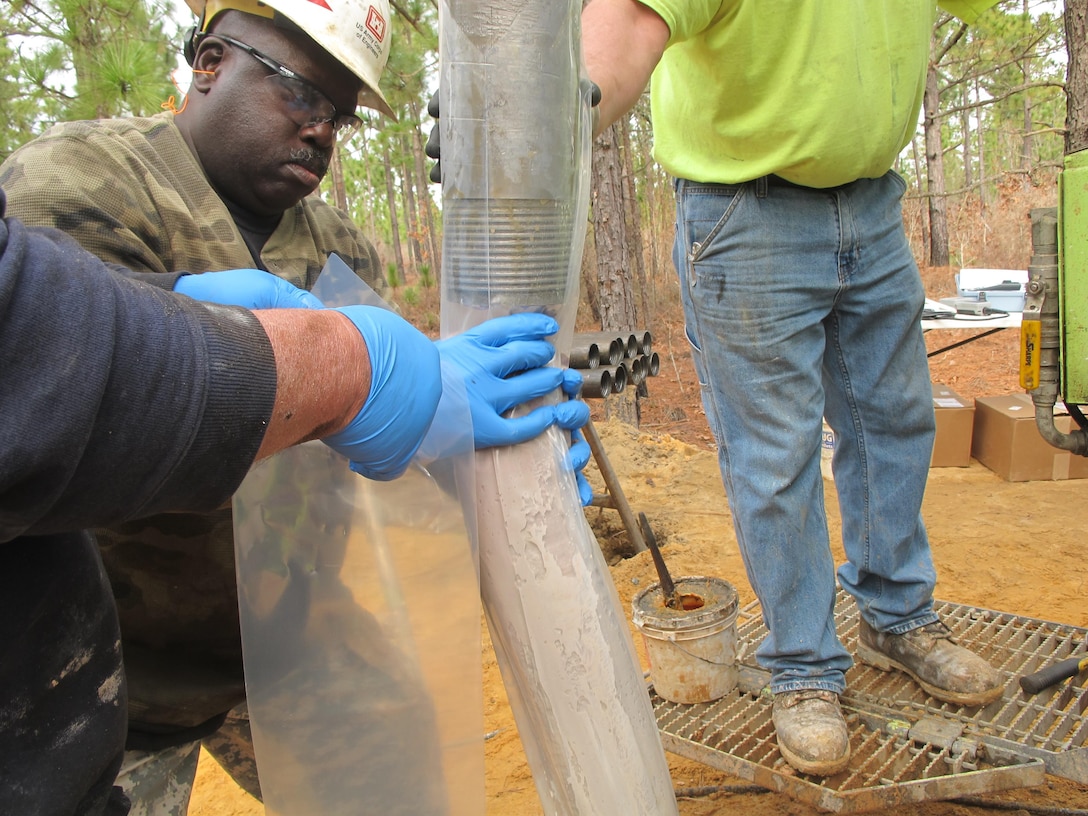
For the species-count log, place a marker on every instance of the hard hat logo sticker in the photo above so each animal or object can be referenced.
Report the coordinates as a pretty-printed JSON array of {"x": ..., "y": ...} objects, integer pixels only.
[{"x": 375, "y": 23}]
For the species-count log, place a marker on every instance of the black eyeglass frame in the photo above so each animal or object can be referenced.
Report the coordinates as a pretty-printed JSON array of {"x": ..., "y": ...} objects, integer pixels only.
[{"x": 345, "y": 123}]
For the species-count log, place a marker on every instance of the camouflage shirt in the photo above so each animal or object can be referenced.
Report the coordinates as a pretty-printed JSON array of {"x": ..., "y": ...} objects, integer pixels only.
[{"x": 132, "y": 192}]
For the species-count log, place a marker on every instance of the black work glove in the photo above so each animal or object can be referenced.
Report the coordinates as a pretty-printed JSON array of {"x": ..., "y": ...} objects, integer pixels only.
[{"x": 434, "y": 139}]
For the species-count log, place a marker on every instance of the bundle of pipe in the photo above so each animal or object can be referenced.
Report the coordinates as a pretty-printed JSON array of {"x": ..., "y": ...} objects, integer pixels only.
[
  {"x": 515, "y": 158},
  {"x": 630, "y": 360}
]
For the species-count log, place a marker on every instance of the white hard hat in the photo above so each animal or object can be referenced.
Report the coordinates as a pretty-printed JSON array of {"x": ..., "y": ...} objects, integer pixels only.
[{"x": 355, "y": 32}]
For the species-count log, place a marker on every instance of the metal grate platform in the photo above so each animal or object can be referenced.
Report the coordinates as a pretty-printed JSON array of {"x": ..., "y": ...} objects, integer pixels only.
[{"x": 907, "y": 746}]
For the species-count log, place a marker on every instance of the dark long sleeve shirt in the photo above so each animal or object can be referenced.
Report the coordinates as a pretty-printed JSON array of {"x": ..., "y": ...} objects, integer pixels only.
[
  {"x": 132, "y": 191},
  {"x": 118, "y": 400}
]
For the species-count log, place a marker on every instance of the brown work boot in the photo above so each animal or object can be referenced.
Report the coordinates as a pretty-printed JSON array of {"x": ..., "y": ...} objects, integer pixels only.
[
  {"x": 929, "y": 655},
  {"x": 811, "y": 731}
]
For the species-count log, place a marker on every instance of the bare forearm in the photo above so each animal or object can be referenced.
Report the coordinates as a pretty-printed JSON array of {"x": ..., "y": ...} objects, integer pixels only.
[
  {"x": 322, "y": 372},
  {"x": 622, "y": 42}
]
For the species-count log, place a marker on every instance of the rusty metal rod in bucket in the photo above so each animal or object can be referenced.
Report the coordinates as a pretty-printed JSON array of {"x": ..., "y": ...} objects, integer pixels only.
[{"x": 668, "y": 587}]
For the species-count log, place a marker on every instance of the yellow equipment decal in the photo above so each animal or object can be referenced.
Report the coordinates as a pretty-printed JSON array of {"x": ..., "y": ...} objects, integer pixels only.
[{"x": 1030, "y": 336}]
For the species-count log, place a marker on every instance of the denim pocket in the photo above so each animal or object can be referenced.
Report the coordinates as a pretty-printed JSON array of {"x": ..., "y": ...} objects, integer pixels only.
[
  {"x": 706, "y": 209},
  {"x": 697, "y": 358}
]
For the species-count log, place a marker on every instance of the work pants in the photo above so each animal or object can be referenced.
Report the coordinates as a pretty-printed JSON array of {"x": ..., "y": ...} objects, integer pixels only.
[{"x": 803, "y": 303}]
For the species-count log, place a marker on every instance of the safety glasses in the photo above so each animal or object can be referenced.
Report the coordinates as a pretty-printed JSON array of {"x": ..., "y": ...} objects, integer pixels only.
[{"x": 306, "y": 104}]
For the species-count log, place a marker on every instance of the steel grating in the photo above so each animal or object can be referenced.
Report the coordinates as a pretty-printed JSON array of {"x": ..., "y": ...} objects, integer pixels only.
[{"x": 907, "y": 746}]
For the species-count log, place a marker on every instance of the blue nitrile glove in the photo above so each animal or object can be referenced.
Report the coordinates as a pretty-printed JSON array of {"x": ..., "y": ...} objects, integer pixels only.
[
  {"x": 248, "y": 288},
  {"x": 578, "y": 457},
  {"x": 489, "y": 353},
  {"x": 405, "y": 386},
  {"x": 433, "y": 148}
]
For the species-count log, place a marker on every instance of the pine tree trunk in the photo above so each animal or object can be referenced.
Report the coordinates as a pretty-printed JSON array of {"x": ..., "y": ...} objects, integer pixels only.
[
  {"x": 426, "y": 204},
  {"x": 394, "y": 225},
  {"x": 336, "y": 171},
  {"x": 616, "y": 302},
  {"x": 633, "y": 217},
  {"x": 938, "y": 218},
  {"x": 651, "y": 179},
  {"x": 983, "y": 189},
  {"x": 1076, "y": 77},
  {"x": 968, "y": 174},
  {"x": 411, "y": 221},
  {"x": 415, "y": 249},
  {"x": 1027, "y": 157}
]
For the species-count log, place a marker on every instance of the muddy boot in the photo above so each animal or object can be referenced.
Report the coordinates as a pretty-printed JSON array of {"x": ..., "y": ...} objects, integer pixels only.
[
  {"x": 811, "y": 731},
  {"x": 929, "y": 655}
]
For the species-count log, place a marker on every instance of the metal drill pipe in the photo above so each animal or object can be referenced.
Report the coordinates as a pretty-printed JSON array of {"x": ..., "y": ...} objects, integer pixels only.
[
  {"x": 508, "y": 208},
  {"x": 616, "y": 346},
  {"x": 619, "y": 378},
  {"x": 596, "y": 382},
  {"x": 615, "y": 489},
  {"x": 584, "y": 356}
]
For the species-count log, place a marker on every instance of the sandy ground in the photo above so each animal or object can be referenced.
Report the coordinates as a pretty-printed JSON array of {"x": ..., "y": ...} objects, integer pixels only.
[{"x": 1014, "y": 547}]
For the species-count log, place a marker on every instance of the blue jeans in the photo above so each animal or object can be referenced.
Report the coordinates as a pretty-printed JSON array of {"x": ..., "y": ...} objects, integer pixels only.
[{"x": 802, "y": 304}]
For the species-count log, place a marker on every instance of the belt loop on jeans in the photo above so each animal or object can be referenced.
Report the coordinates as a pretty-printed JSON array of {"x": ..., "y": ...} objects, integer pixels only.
[{"x": 761, "y": 187}]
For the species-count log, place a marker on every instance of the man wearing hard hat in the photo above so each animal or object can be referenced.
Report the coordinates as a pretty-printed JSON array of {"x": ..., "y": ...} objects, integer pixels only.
[{"x": 222, "y": 182}]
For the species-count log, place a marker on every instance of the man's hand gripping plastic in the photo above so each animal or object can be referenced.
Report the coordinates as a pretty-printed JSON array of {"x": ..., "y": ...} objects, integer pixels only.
[
  {"x": 488, "y": 356},
  {"x": 249, "y": 288},
  {"x": 406, "y": 387}
]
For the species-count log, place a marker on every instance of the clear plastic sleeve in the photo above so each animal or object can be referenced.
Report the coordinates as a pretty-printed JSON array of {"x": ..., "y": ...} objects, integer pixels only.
[
  {"x": 515, "y": 128},
  {"x": 359, "y": 605}
]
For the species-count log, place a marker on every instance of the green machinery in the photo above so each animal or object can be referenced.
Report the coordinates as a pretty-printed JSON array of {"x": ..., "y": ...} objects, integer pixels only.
[{"x": 1054, "y": 332}]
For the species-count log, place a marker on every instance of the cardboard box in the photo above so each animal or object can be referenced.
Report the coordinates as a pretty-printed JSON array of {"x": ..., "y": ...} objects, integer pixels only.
[
  {"x": 955, "y": 424},
  {"x": 1008, "y": 443}
]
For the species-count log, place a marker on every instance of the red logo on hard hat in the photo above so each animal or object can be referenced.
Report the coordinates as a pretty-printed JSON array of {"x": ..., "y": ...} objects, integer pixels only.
[
  {"x": 321, "y": 3},
  {"x": 376, "y": 24}
]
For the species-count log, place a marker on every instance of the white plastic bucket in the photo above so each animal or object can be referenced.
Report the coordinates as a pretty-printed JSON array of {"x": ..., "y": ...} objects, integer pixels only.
[{"x": 692, "y": 651}]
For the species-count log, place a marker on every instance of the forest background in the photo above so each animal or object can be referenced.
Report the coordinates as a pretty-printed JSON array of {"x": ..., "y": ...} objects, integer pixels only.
[
  {"x": 988, "y": 147},
  {"x": 1006, "y": 98}
]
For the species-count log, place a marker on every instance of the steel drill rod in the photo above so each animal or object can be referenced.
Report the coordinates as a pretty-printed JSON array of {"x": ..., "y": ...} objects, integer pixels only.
[
  {"x": 668, "y": 588},
  {"x": 585, "y": 356},
  {"x": 619, "y": 379},
  {"x": 612, "y": 345},
  {"x": 612, "y": 483},
  {"x": 596, "y": 382}
]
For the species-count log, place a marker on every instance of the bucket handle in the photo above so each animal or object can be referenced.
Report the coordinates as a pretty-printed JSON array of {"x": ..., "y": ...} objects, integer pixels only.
[{"x": 703, "y": 659}]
